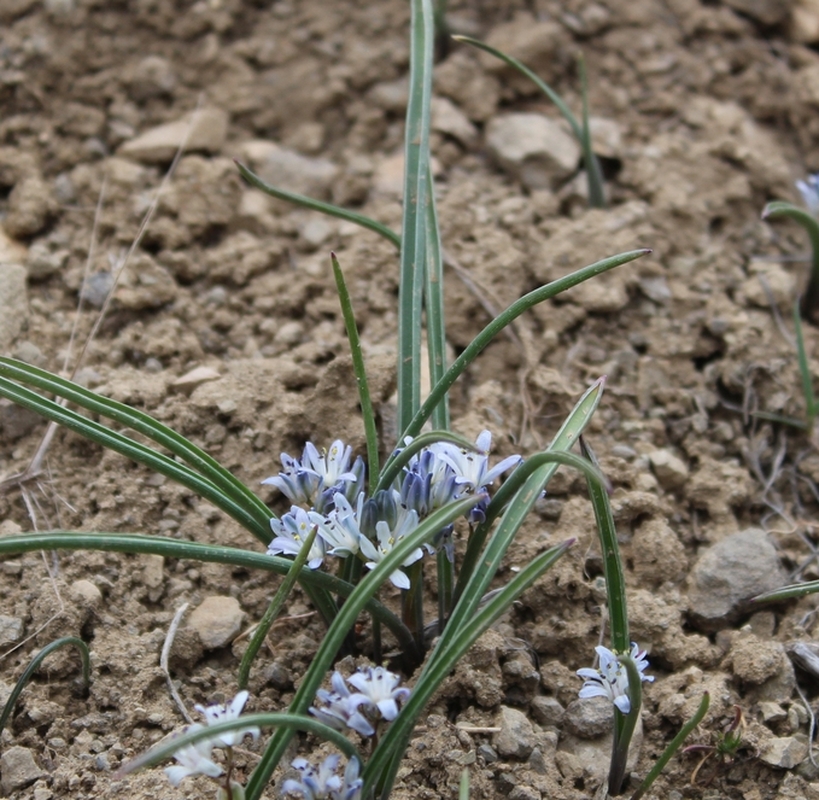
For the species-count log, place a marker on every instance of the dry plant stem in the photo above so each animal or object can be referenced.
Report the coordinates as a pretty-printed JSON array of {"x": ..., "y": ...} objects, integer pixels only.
[{"x": 165, "y": 655}]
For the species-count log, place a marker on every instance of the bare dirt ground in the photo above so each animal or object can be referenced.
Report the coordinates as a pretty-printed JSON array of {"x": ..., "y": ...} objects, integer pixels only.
[{"x": 707, "y": 109}]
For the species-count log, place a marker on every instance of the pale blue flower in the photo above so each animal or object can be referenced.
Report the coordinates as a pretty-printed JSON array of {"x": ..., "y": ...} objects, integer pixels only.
[
  {"x": 471, "y": 470},
  {"x": 317, "y": 783},
  {"x": 611, "y": 679},
  {"x": 809, "y": 189},
  {"x": 223, "y": 713},
  {"x": 379, "y": 689},
  {"x": 340, "y": 530},
  {"x": 351, "y": 788},
  {"x": 383, "y": 516},
  {"x": 340, "y": 709},
  {"x": 194, "y": 759},
  {"x": 307, "y": 481},
  {"x": 292, "y": 531}
]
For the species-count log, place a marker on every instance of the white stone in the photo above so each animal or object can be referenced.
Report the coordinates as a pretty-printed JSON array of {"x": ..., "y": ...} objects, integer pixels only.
[
  {"x": 204, "y": 130},
  {"x": 447, "y": 118},
  {"x": 671, "y": 471},
  {"x": 534, "y": 148},
  {"x": 217, "y": 621}
]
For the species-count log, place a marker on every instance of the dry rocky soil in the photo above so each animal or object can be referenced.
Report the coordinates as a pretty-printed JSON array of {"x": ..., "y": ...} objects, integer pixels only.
[{"x": 703, "y": 111}]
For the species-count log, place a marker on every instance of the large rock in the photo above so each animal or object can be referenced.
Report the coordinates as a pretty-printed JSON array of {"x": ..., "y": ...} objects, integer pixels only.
[
  {"x": 19, "y": 769},
  {"x": 202, "y": 131},
  {"x": 728, "y": 574},
  {"x": 534, "y": 148}
]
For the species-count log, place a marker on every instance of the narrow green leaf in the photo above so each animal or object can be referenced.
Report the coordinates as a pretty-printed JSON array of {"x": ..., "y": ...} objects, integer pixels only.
[
  {"x": 581, "y": 132},
  {"x": 672, "y": 748},
  {"x": 791, "y": 592},
  {"x": 273, "y": 610},
  {"x": 367, "y": 410},
  {"x": 625, "y": 725},
  {"x": 501, "y": 321},
  {"x": 434, "y": 305},
  {"x": 810, "y": 300},
  {"x": 34, "y": 665},
  {"x": 563, "y": 441},
  {"x": 417, "y": 193},
  {"x": 454, "y": 642},
  {"x": 594, "y": 173},
  {"x": 612, "y": 565},
  {"x": 165, "y": 750},
  {"x": 804, "y": 368},
  {"x": 318, "y": 205}
]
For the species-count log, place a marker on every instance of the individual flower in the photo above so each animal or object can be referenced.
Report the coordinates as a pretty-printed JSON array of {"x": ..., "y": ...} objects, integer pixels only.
[
  {"x": 340, "y": 709},
  {"x": 471, "y": 469},
  {"x": 194, "y": 759},
  {"x": 351, "y": 788},
  {"x": 378, "y": 688},
  {"x": 223, "y": 713},
  {"x": 441, "y": 488},
  {"x": 384, "y": 519},
  {"x": 809, "y": 189},
  {"x": 292, "y": 531},
  {"x": 611, "y": 679},
  {"x": 317, "y": 783},
  {"x": 306, "y": 481},
  {"x": 340, "y": 530}
]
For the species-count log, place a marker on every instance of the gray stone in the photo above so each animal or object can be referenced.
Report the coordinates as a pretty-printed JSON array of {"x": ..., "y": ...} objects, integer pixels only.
[
  {"x": 31, "y": 205},
  {"x": 728, "y": 574},
  {"x": 785, "y": 752},
  {"x": 448, "y": 119},
  {"x": 43, "y": 262},
  {"x": 11, "y": 629},
  {"x": 196, "y": 377},
  {"x": 19, "y": 769},
  {"x": 767, "y": 12},
  {"x": 534, "y": 148},
  {"x": 217, "y": 621},
  {"x": 671, "y": 471},
  {"x": 548, "y": 711},
  {"x": 289, "y": 170},
  {"x": 152, "y": 77},
  {"x": 516, "y": 738},
  {"x": 590, "y": 717},
  {"x": 96, "y": 288},
  {"x": 13, "y": 301},
  {"x": 30, "y": 353},
  {"x": 487, "y": 753},
  {"x": 16, "y": 421},
  {"x": 804, "y": 25},
  {"x": 203, "y": 131}
]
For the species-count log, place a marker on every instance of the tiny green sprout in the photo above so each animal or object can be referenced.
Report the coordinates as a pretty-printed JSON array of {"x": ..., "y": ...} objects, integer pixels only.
[{"x": 726, "y": 746}]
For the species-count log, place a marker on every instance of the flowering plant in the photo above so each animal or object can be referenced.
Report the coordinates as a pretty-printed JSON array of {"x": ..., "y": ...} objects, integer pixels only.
[{"x": 374, "y": 524}]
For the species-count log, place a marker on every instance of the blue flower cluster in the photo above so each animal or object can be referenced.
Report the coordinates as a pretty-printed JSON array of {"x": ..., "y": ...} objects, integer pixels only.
[{"x": 327, "y": 493}]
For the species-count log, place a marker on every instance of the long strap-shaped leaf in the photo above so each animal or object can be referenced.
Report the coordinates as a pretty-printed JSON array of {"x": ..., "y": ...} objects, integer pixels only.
[
  {"x": 474, "y": 581},
  {"x": 196, "y": 551},
  {"x": 142, "y": 423},
  {"x": 502, "y": 320},
  {"x": 414, "y": 224}
]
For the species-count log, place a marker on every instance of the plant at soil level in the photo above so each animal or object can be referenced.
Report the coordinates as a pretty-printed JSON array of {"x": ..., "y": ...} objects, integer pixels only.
[
  {"x": 377, "y": 522},
  {"x": 808, "y": 305}
]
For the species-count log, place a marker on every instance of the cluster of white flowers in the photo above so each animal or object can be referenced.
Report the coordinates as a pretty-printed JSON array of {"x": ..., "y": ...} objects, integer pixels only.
[{"x": 327, "y": 494}]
